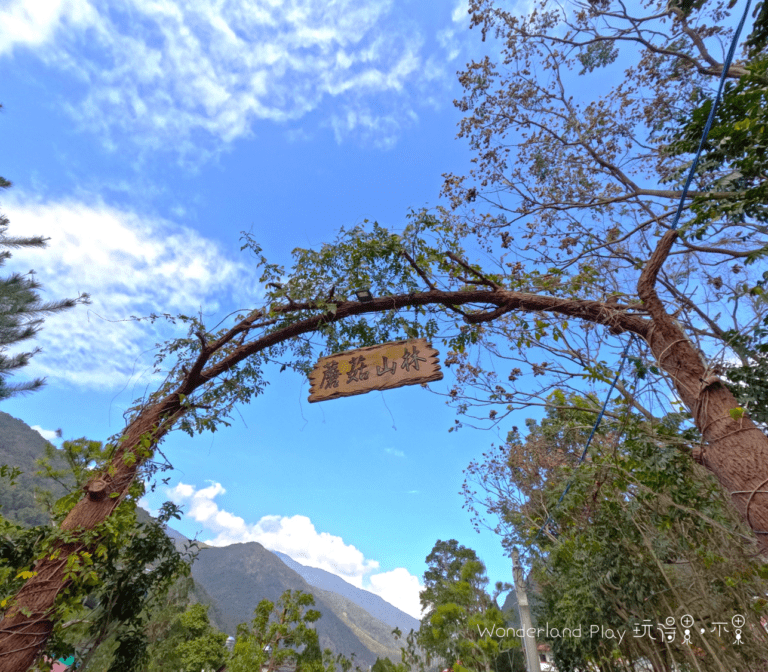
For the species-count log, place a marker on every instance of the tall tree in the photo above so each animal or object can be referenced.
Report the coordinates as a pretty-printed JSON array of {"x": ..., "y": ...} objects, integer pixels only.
[
  {"x": 386, "y": 665},
  {"x": 164, "y": 630},
  {"x": 597, "y": 249},
  {"x": 569, "y": 177},
  {"x": 280, "y": 637},
  {"x": 641, "y": 538},
  {"x": 114, "y": 587},
  {"x": 192, "y": 643},
  {"x": 22, "y": 310},
  {"x": 580, "y": 180},
  {"x": 462, "y": 625},
  {"x": 735, "y": 158}
]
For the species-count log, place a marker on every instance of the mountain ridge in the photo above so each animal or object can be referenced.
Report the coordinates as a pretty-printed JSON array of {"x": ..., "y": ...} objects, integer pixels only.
[
  {"x": 231, "y": 579},
  {"x": 238, "y": 576},
  {"x": 374, "y": 604}
]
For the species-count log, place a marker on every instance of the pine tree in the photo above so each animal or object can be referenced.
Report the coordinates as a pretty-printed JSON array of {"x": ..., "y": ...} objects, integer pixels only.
[{"x": 21, "y": 310}]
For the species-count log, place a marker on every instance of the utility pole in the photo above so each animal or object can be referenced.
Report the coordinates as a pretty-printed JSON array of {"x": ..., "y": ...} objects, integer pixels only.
[{"x": 529, "y": 643}]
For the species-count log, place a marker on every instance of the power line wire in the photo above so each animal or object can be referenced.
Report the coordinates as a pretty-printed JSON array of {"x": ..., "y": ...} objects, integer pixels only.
[{"x": 680, "y": 206}]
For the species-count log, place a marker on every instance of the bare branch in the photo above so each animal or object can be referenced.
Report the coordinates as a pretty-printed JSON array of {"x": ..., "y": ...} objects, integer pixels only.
[
  {"x": 419, "y": 270},
  {"x": 483, "y": 280}
]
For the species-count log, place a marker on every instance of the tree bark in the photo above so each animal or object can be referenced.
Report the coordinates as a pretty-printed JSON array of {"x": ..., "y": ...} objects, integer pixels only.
[
  {"x": 27, "y": 624},
  {"x": 736, "y": 451}
]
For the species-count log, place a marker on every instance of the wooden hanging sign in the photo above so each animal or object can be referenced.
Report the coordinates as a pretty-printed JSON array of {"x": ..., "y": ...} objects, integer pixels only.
[{"x": 379, "y": 367}]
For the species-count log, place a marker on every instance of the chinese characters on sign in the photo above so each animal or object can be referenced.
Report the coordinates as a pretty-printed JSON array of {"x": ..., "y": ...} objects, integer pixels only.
[{"x": 379, "y": 367}]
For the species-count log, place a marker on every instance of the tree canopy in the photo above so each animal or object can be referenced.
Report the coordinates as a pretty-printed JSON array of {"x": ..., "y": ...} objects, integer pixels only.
[
  {"x": 462, "y": 625},
  {"x": 644, "y": 535},
  {"x": 22, "y": 310},
  {"x": 103, "y": 615},
  {"x": 190, "y": 643}
]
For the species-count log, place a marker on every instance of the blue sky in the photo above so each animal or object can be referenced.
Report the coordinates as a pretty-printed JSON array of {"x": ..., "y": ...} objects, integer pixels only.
[{"x": 142, "y": 137}]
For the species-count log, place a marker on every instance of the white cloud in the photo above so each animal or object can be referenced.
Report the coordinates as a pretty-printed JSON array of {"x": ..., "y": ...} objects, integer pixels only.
[
  {"x": 395, "y": 452},
  {"x": 130, "y": 264},
  {"x": 163, "y": 70},
  {"x": 297, "y": 537},
  {"x": 399, "y": 588},
  {"x": 449, "y": 38},
  {"x": 51, "y": 435},
  {"x": 34, "y": 23},
  {"x": 460, "y": 12}
]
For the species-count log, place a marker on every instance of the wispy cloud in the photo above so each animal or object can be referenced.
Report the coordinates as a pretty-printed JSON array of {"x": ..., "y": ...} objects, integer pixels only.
[
  {"x": 298, "y": 538},
  {"x": 395, "y": 452},
  {"x": 167, "y": 70},
  {"x": 35, "y": 23},
  {"x": 449, "y": 37},
  {"x": 130, "y": 264}
]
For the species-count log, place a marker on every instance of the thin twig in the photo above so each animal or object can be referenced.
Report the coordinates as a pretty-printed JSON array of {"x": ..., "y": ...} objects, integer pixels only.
[
  {"x": 467, "y": 267},
  {"x": 419, "y": 270}
]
